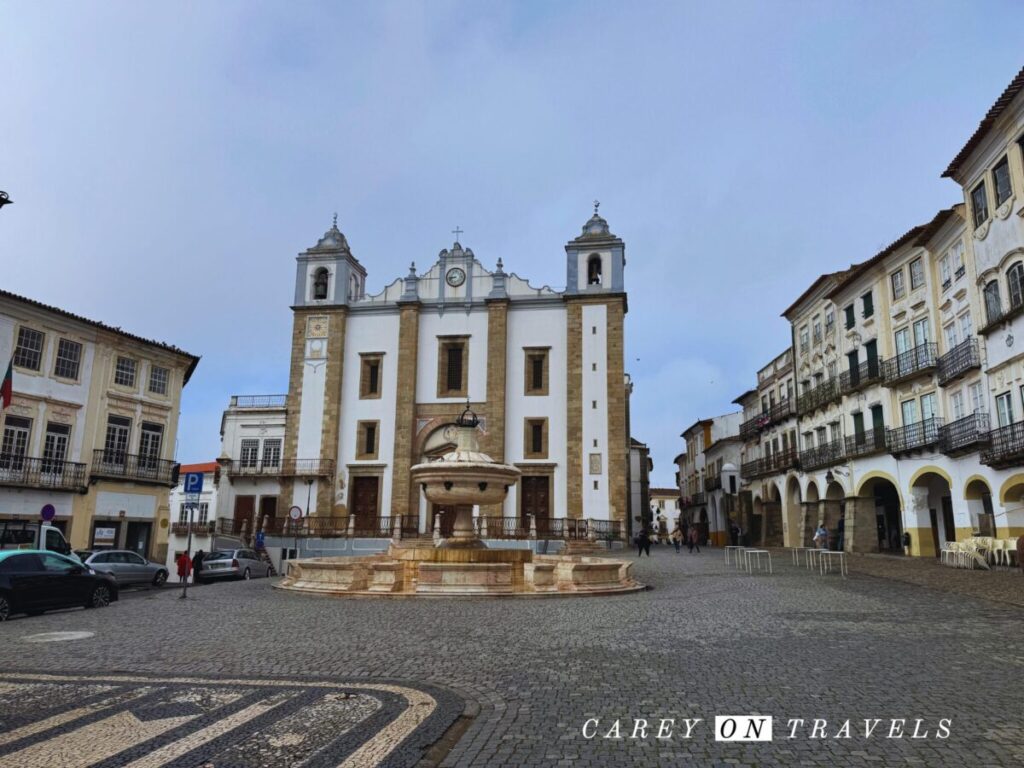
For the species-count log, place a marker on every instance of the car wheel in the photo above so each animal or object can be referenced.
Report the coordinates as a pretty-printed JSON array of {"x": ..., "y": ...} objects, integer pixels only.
[
  {"x": 246, "y": 575},
  {"x": 100, "y": 597},
  {"x": 5, "y": 607},
  {"x": 160, "y": 579}
]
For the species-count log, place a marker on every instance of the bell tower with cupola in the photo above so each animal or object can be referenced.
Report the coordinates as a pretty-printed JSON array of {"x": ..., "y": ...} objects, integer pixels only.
[
  {"x": 328, "y": 274},
  {"x": 595, "y": 260}
]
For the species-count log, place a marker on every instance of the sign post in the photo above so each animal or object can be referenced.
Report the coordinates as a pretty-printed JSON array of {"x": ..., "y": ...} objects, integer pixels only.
[
  {"x": 193, "y": 487},
  {"x": 48, "y": 512},
  {"x": 295, "y": 513}
]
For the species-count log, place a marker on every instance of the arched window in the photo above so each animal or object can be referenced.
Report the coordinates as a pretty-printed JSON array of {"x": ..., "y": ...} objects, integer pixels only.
[
  {"x": 320, "y": 283},
  {"x": 1015, "y": 278},
  {"x": 594, "y": 270},
  {"x": 993, "y": 309}
]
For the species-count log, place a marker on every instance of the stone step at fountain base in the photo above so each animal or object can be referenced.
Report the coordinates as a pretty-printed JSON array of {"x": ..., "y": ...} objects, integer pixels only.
[{"x": 577, "y": 547}]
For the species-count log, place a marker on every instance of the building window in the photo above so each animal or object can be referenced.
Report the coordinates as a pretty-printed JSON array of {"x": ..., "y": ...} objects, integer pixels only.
[
  {"x": 150, "y": 442},
  {"x": 55, "y": 448},
  {"x": 805, "y": 338},
  {"x": 830, "y": 320},
  {"x": 369, "y": 377},
  {"x": 366, "y": 439},
  {"x": 966, "y": 326},
  {"x": 536, "y": 382},
  {"x": 1001, "y": 181},
  {"x": 69, "y": 355},
  {"x": 957, "y": 403},
  {"x": 1004, "y": 410},
  {"x": 271, "y": 453},
  {"x": 977, "y": 397},
  {"x": 14, "y": 446},
  {"x": 817, "y": 329},
  {"x": 594, "y": 270},
  {"x": 1015, "y": 280},
  {"x": 535, "y": 439},
  {"x": 320, "y": 279},
  {"x": 950, "y": 331},
  {"x": 124, "y": 372},
  {"x": 29, "y": 351},
  {"x": 202, "y": 513},
  {"x": 250, "y": 454},
  {"x": 896, "y": 278},
  {"x": 993, "y": 307},
  {"x": 946, "y": 272},
  {"x": 850, "y": 320},
  {"x": 452, "y": 369},
  {"x": 979, "y": 202},
  {"x": 869, "y": 304},
  {"x": 115, "y": 444},
  {"x": 158, "y": 378},
  {"x": 916, "y": 274}
]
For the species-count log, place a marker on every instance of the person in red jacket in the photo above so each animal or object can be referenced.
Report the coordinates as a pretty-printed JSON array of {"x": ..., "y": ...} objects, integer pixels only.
[{"x": 184, "y": 567}]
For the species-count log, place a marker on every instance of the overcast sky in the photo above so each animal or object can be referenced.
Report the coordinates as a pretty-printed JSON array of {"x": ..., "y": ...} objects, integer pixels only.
[{"x": 168, "y": 161}]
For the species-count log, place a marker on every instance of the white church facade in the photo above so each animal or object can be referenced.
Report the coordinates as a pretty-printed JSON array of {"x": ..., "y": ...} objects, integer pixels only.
[{"x": 376, "y": 382}]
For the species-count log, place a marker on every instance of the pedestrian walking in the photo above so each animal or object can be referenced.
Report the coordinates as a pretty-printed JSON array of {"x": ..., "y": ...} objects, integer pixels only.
[
  {"x": 184, "y": 567},
  {"x": 643, "y": 542},
  {"x": 840, "y": 533},
  {"x": 821, "y": 537},
  {"x": 734, "y": 533},
  {"x": 694, "y": 539},
  {"x": 197, "y": 565},
  {"x": 677, "y": 539}
]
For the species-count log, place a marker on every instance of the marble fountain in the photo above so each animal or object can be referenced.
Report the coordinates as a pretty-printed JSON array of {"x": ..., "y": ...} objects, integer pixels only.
[{"x": 461, "y": 565}]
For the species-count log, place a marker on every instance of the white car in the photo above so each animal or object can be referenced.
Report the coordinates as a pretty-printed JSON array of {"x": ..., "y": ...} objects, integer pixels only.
[{"x": 233, "y": 564}]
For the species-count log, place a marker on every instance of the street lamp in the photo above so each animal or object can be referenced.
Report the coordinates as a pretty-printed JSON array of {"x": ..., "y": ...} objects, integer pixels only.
[{"x": 4, "y": 199}]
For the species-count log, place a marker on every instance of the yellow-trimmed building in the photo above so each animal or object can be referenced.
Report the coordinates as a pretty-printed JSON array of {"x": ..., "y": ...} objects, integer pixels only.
[{"x": 91, "y": 428}]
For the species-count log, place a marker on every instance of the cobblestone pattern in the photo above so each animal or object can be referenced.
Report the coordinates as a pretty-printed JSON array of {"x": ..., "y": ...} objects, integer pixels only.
[{"x": 705, "y": 641}]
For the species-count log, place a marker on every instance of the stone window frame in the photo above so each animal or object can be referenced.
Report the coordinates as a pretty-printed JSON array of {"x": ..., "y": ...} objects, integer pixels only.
[
  {"x": 68, "y": 358},
  {"x": 159, "y": 380},
  {"x": 917, "y": 279},
  {"x": 321, "y": 280},
  {"x": 444, "y": 343},
  {"x": 529, "y": 424},
  {"x": 121, "y": 373},
  {"x": 366, "y": 360},
  {"x": 23, "y": 353},
  {"x": 898, "y": 285},
  {"x": 531, "y": 354},
  {"x": 362, "y": 427}
]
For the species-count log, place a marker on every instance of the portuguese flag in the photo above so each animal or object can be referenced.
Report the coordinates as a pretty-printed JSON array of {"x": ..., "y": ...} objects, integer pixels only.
[{"x": 7, "y": 386}]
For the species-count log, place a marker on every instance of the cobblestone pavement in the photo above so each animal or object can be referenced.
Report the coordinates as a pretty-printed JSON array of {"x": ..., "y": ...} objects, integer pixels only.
[{"x": 705, "y": 641}]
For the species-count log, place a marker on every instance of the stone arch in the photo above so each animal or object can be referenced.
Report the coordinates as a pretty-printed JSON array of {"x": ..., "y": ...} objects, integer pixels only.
[
  {"x": 834, "y": 491},
  {"x": 878, "y": 475},
  {"x": 812, "y": 491},
  {"x": 794, "y": 521},
  {"x": 981, "y": 519},
  {"x": 772, "y": 530},
  {"x": 931, "y": 511},
  {"x": 879, "y": 509},
  {"x": 975, "y": 487},
  {"x": 1012, "y": 490}
]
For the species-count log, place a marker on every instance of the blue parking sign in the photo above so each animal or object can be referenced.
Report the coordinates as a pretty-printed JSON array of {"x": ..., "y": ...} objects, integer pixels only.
[{"x": 193, "y": 482}]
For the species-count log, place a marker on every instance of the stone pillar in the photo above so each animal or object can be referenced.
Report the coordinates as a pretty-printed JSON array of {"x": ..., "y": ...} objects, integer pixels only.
[
  {"x": 810, "y": 512},
  {"x": 917, "y": 522},
  {"x": 771, "y": 529},
  {"x": 293, "y": 403},
  {"x": 351, "y": 525},
  {"x": 618, "y": 439},
  {"x": 437, "y": 528},
  {"x": 591, "y": 533},
  {"x": 861, "y": 524},
  {"x": 574, "y": 410},
  {"x": 831, "y": 512},
  {"x": 404, "y": 493},
  {"x": 533, "y": 527},
  {"x": 497, "y": 356},
  {"x": 325, "y": 488},
  {"x": 396, "y": 528}
]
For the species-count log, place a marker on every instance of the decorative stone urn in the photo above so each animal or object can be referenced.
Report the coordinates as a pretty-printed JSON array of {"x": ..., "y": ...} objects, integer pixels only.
[{"x": 465, "y": 478}]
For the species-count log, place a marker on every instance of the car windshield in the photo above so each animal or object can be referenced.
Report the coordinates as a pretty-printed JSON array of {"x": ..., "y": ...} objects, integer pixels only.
[{"x": 217, "y": 556}]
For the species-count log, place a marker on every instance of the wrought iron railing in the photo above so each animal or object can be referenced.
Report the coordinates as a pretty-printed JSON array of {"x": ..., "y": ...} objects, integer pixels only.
[
  {"x": 854, "y": 379},
  {"x": 129, "y": 466},
  {"x": 712, "y": 482},
  {"x": 229, "y": 527},
  {"x": 966, "y": 434},
  {"x": 47, "y": 474},
  {"x": 913, "y": 362},
  {"x": 914, "y": 437},
  {"x": 1006, "y": 446},
  {"x": 996, "y": 316},
  {"x": 283, "y": 468},
  {"x": 258, "y": 401},
  {"x": 780, "y": 461},
  {"x": 819, "y": 396},
  {"x": 198, "y": 529},
  {"x": 751, "y": 427},
  {"x": 824, "y": 455},
  {"x": 506, "y": 527},
  {"x": 750, "y": 468},
  {"x": 865, "y": 443},
  {"x": 964, "y": 357}
]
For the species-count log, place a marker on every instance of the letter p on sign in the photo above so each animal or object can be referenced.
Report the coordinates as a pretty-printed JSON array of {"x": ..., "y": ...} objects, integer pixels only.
[
  {"x": 193, "y": 482},
  {"x": 743, "y": 728}
]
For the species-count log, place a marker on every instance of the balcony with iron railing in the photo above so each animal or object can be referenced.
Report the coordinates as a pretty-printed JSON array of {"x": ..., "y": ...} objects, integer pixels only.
[
  {"x": 914, "y": 437},
  {"x": 996, "y": 316},
  {"x": 818, "y": 397},
  {"x": 751, "y": 428},
  {"x": 44, "y": 474},
  {"x": 258, "y": 401},
  {"x": 866, "y": 443},
  {"x": 962, "y": 358},
  {"x": 821, "y": 456},
  {"x": 198, "y": 529},
  {"x": 694, "y": 499},
  {"x": 918, "y": 361},
  {"x": 971, "y": 433},
  {"x": 770, "y": 465},
  {"x": 116, "y": 465},
  {"x": 282, "y": 468},
  {"x": 712, "y": 483},
  {"x": 855, "y": 379},
  {"x": 1006, "y": 447}
]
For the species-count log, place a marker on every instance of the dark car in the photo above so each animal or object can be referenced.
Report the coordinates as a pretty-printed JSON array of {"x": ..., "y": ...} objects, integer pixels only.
[{"x": 33, "y": 581}]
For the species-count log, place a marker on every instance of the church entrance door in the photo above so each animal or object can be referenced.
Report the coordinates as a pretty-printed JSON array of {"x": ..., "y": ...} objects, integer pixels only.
[
  {"x": 536, "y": 498},
  {"x": 364, "y": 502}
]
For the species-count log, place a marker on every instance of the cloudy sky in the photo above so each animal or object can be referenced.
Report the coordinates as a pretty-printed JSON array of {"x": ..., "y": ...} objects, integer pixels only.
[{"x": 169, "y": 160}]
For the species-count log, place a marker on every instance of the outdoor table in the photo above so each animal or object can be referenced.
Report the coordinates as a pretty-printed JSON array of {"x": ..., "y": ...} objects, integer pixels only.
[
  {"x": 736, "y": 554},
  {"x": 757, "y": 555},
  {"x": 796, "y": 553},
  {"x": 825, "y": 562},
  {"x": 812, "y": 553}
]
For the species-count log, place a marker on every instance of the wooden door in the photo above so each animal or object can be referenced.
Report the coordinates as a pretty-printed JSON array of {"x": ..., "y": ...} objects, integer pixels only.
[
  {"x": 536, "y": 498},
  {"x": 268, "y": 511},
  {"x": 244, "y": 507},
  {"x": 933, "y": 519},
  {"x": 947, "y": 518},
  {"x": 364, "y": 501}
]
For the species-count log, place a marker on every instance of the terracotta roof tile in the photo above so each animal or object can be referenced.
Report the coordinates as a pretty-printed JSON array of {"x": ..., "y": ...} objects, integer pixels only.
[{"x": 1008, "y": 95}]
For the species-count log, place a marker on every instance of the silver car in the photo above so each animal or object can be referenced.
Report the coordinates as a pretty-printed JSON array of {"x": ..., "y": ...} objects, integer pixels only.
[
  {"x": 233, "y": 564},
  {"x": 126, "y": 567}
]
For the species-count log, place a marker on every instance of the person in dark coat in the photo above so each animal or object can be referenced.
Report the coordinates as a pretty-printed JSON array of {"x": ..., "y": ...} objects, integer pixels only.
[
  {"x": 694, "y": 539},
  {"x": 643, "y": 542},
  {"x": 197, "y": 565}
]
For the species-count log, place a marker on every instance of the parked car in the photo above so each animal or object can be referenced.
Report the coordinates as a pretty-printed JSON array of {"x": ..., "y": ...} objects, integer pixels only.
[
  {"x": 127, "y": 567},
  {"x": 35, "y": 580},
  {"x": 233, "y": 564}
]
